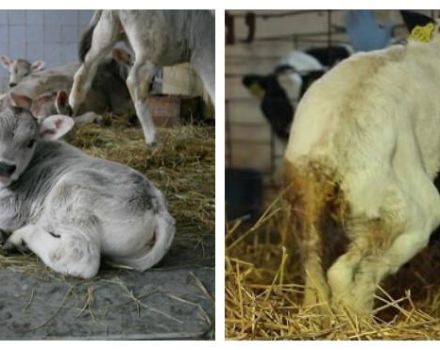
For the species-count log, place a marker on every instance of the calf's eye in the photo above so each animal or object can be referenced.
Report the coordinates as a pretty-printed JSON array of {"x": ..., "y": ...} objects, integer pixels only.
[{"x": 31, "y": 143}]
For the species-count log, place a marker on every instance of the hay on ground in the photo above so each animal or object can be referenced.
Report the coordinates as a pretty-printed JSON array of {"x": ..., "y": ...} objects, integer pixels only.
[{"x": 264, "y": 290}]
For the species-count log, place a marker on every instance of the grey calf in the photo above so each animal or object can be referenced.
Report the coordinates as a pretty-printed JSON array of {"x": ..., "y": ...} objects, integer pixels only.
[
  {"x": 69, "y": 208},
  {"x": 158, "y": 38},
  {"x": 20, "y": 68},
  {"x": 108, "y": 93}
]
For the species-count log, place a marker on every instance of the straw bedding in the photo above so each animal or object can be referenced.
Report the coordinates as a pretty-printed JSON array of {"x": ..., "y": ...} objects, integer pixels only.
[{"x": 264, "y": 290}]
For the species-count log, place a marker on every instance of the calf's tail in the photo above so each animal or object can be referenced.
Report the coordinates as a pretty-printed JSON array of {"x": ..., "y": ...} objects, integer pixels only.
[
  {"x": 164, "y": 234},
  {"x": 86, "y": 37}
]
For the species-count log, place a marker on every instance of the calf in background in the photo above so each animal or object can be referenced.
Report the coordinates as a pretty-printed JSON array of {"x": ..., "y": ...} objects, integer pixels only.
[
  {"x": 109, "y": 92},
  {"x": 20, "y": 68}
]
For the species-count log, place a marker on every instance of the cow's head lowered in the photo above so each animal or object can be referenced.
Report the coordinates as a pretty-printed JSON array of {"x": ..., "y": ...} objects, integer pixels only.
[
  {"x": 19, "y": 69},
  {"x": 19, "y": 133}
]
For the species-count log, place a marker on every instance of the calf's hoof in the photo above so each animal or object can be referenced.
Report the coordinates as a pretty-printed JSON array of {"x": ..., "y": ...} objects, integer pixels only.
[
  {"x": 19, "y": 246},
  {"x": 3, "y": 237},
  {"x": 152, "y": 143},
  {"x": 9, "y": 247}
]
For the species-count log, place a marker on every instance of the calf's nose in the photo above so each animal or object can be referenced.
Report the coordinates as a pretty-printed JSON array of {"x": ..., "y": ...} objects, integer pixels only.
[
  {"x": 7, "y": 169},
  {"x": 12, "y": 84}
]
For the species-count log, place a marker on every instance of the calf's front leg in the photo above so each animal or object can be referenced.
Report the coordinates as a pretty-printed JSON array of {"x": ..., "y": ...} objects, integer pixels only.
[{"x": 66, "y": 250}]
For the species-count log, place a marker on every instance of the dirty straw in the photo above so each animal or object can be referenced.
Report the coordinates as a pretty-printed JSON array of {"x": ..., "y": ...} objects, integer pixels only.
[{"x": 264, "y": 290}]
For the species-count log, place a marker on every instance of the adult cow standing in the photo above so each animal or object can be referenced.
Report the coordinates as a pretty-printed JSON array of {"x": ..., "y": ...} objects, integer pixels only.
[{"x": 158, "y": 38}]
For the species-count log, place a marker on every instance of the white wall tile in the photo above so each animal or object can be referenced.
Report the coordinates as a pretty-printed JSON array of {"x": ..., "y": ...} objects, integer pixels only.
[
  {"x": 85, "y": 16},
  {"x": 35, "y": 17},
  {"x": 4, "y": 33},
  {"x": 17, "y": 33},
  {"x": 69, "y": 52},
  {"x": 34, "y": 51},
  {"x": 69, "y": 34},
  {"x": 3, "y": 17},
  {"x": 52, "y": 33},
  {"x": 17, "y": 17},
  {"x": 34, "y": 33},
  {"x": 17, "y": 49}
]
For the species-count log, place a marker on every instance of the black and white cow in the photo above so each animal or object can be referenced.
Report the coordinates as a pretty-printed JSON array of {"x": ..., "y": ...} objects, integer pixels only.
[{"x": 281, "y": 90}]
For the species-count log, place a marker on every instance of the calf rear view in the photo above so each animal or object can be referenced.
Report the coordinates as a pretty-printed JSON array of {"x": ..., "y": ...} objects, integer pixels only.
[
  {"x": 69, "y": 208},
  {"x": 364, "y": 151}
]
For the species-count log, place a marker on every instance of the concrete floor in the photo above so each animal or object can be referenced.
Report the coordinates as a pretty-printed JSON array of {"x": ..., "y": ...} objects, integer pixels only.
[{"x": 174, "y": 300}]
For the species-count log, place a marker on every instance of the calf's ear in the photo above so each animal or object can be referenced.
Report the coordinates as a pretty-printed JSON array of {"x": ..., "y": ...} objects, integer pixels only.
[
  {"x": 55, "y": 126},
  {"x": 21, "y": 101},
  {"x": 5, "y": 61},
  {"x": 38, "y": 66},
  {"x": 61, "y": 102}
]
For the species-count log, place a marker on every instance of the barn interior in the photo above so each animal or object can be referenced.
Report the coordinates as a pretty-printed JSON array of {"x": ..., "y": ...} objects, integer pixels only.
[
  {"x": 268, "y": 69},
  {"x": 173, "y": 300}
]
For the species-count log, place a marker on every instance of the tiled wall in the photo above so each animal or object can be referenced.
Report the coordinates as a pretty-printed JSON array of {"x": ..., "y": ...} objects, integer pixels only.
[{"x": 50, "y": 35}]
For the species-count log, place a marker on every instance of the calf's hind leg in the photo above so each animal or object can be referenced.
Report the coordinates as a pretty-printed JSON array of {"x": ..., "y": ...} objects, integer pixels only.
[
  {"x": 138, "y": 83},
  {"x": 104, "y": 37},
  {"x": 381, "y": 247},
  {"x": 205, "y": 70},
  {"x": 67, "y": 251}
]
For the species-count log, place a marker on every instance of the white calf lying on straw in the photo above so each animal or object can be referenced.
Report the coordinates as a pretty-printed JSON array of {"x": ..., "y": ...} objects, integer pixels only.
[{"x": 70, "y": 208}]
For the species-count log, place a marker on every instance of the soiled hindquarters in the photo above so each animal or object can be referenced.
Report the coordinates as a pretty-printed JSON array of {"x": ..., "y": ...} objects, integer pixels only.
[{"x": 364, "y": 150}]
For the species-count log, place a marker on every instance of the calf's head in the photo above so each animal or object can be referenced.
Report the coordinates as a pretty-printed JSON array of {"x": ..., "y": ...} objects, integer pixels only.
[
  {"x": 19, "y": 133},
  {"x": 20, "y": 69}
]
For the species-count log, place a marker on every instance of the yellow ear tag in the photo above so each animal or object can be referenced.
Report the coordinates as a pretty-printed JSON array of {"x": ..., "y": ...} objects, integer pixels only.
[
  {"x": 256, "y": 90},
  {"x": 423, "y": 33}
]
